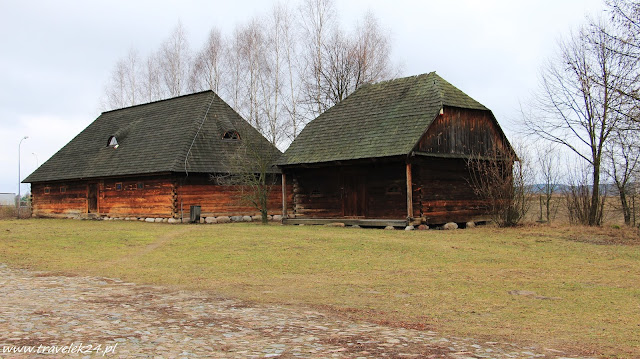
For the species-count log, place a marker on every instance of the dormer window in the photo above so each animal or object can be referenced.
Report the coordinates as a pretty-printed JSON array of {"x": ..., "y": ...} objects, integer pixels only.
[
  {"x": 112, "y": 142},
  {"x": 231, "y": 135}
]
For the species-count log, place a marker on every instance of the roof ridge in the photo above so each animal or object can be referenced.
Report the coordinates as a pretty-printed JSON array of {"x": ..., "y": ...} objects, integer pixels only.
[
  {"x": 378, "y": 120},
  {"x": 201, "y": 119},
  {"x": 449, "y": 98},
  {"x": 156, "y": 101},
  {"x": 157, "y": 143},
  {"x": 438, "y": 87}
]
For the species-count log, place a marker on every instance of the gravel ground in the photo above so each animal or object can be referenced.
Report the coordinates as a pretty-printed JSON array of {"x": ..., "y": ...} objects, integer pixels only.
[{"x": 94, "y": 317}]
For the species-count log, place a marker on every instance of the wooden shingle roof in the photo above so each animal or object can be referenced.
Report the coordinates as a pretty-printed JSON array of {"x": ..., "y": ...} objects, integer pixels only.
[
  {"x": 378, "y": 120},
  {"x": 156, "y": 138}
]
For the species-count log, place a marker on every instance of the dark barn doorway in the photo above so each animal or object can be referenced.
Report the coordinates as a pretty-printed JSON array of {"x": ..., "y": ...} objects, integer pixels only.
[
  {"x": 354, "y": 196},
  {"x": 92, "y": 198}
]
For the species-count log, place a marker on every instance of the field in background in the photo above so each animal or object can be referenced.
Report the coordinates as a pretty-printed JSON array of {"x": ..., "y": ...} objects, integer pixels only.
[
  {"x": 560, "y": 287},
  {"x": 613, "y": 213}
]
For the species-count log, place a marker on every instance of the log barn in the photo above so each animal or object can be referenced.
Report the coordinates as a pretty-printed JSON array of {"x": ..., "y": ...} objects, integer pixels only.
[
  {"x": 391, "y": 153},
  {"x": 154, "y": 160}
]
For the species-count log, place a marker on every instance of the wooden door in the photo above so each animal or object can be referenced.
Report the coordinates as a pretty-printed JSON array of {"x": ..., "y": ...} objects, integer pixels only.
[
  {"x": 354, "y": 195},
  {"x": 92, "y": 198}
]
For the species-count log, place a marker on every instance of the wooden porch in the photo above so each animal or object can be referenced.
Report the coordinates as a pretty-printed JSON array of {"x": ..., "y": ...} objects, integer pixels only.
[{"x": 363, "y": 222}]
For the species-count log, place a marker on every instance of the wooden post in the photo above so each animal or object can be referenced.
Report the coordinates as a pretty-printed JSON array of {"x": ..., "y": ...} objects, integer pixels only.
[
  {"x": 284, "y": 196},
  {"x": 409, "y": 193}
]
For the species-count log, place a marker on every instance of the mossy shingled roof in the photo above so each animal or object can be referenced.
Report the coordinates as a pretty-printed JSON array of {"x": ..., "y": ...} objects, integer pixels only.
[
  {"x": 377, "y": 120},
  {"x": 156, "y": 138}
]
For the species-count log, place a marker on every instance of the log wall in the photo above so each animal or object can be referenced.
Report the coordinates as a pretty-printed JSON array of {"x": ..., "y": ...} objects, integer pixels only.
[
  {"x": 441, "y": 187},
  {"x": 157, "y": 197},
  {"x": 317, "y": 193},
  {"x": 70, "y": 203},
  {"x": 462, "y": 132},
  {"x": 324, "y": 192},
  {"x": 154, "y": 199},
  {"x": 444, "y": 192},
  {"x": 223, "y": 200}
]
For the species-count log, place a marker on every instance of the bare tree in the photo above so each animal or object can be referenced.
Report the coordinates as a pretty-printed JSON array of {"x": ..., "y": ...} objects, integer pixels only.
[
  {"x": 174, "y": 61},
  {"x": 373, "y": 52},
  {"x": 132, "y": 88},
  {"x": 625, "y": 27},
  {"x": 207, "y": 69},
  {"x": 234, "y": 70},
  {"x": 115, "y": 93},
  {"x": 626, "y": 13},
  {"x": 576, "y": 105},
  {"x": 291, "y": 87},
  {"x": 501, "y": 180},
  {"x": 338, "y": 76},
  {"x": 548, "y": 164},
  {"x": 318, "y": 22},
  {"x": 252, "y": 51},
  {"x": 338, "y": 63},
  {"x": 124, "y": 87},
  {"x": 151, "y": 88},
  {"x": 578, "y": 196},
  {"x": 623, "y": 157},
  {"x": 278, "y": 71},
  {"x": 252, "y": 176},
  {"x": 256, "y": 60},
  {"x": 273, "y": 74}
]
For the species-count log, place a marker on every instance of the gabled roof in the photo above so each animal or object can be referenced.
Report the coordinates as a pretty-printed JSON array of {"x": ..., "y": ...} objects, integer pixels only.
[
  {"x": 378, "y": 120},
  {"x": 156, "y": 138}
]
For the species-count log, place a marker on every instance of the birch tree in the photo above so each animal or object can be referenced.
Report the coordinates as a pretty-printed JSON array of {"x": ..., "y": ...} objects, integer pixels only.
[
  {"x": 174, "y": 62},
  {"x": 373, "y": 52},
  {"x": 150, "y": 82},
  {"x": 234, "y": 70},
  {"x": 124, "y": 86},
  {"x": 317, "y": 23},
  {"x": 273, "y": 74},
  {"x": 207, "y": 69},
  {"x": 278, "y": 71},
  {"x": 291, "y": 99}
]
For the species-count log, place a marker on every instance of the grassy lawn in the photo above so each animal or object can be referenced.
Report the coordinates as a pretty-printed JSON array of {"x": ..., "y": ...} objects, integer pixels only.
[{"x": 586, "y": 281}]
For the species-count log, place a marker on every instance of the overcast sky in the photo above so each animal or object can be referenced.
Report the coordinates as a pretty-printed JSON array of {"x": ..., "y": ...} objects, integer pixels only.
[{"x": 56, "y": 56}]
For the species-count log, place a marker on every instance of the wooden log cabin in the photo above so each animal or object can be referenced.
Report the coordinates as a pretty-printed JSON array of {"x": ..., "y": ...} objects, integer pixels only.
[
  {"x": 392, "y": 153},
  {"x": 154, "y": 160}
]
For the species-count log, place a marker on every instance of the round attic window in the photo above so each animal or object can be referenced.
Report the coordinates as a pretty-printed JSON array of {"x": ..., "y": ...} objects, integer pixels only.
[
  {"x": 231, "y": 135},
  {"x": 112, "y": 142}
]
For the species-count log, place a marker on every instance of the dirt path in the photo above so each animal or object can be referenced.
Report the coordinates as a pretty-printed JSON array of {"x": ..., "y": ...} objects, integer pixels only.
[
  {"x": 48, "y": 311},
  {"x": 157, "y": 243}
]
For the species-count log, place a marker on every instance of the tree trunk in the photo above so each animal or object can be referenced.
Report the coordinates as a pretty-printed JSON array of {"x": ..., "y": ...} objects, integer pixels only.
[
  {"x": 264, "y": 197},
  {"x": 548, "y": 205},
  {"x": 626, "y": 210},
  {"x": 594, "y": 217}
]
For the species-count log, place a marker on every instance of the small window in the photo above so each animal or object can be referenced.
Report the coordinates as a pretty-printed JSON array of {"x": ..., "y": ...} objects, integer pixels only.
[
  {"x": 63, "y": 189},
  {"x": 231, "y": 135},
  {"x": 47, "y": 190},
  {"x": 140, "y": 185},
  {"x": 395, "y": 189},
  {"x": 113, "y": 142},
  {"x": 119, "y": 186}
]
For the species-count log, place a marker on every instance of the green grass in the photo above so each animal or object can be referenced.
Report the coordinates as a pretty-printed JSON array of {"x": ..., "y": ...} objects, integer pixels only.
[{"x": 455, "y": 282}]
